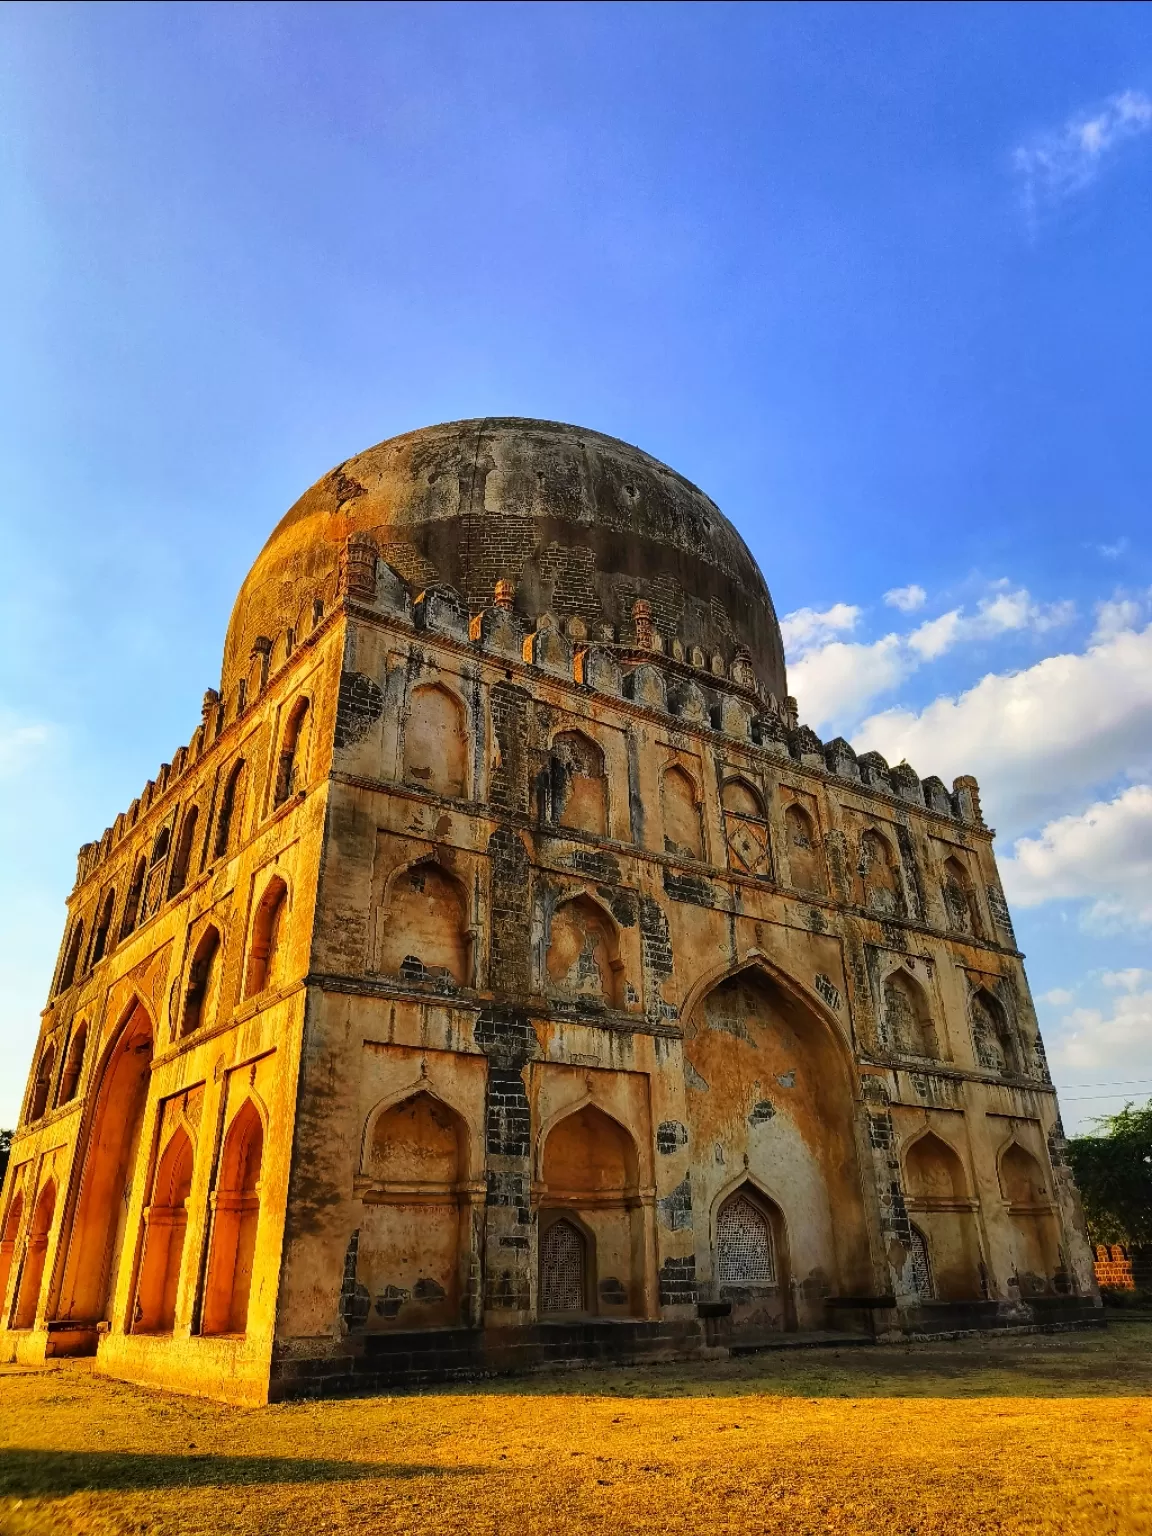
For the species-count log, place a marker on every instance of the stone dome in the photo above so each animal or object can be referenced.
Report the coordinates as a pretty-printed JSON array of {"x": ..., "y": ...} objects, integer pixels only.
[{"x": 582, "y": 524}]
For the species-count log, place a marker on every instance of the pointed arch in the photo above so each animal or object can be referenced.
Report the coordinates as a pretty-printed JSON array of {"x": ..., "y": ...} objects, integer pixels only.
[
  {"x": 960, "y": 898},
  {"x": 201, "y": 990},
  {"x": 741, "y": 798},
  {"x": 1036, "y": 1236},
  {"x": 908, "y": 1017},
  {"x": 9, "y": 1234},
  {"x": 578, "y": 783},
  {"x": 42, "y": 1085},
  {"x": 436, "y": 742},
  {"x": 73, "y": 1064},
  {"x": 110, "y": 1152},
  {"x": 882, "y": 887},
  {"x": 32, "y": 1275},
  {"x": 802, "y": 848},
  {"x": 934, "y": 1170},
  {"x": 745, "y": 1247},
  {"x": 236, "y": 1221},
  {"x": 583, "y": 961},
  {"x": 292, "y": 761},
  {"x": 680, "y": 801},
  {"x": 993, "y": 1037},
  {"x": 182, "y": 862},
  {"x": 72, "y": 956},
  {"x": 1022, "y": 1181},
  {"x": 589, "y": 1182},
  {"x": 419, "y": 1140},
  {"x": 266, "y": 948},
  {"x": 103, "y": 927},
  {"x": 230, "y": 818},
  {"x": 423, "y": 934},
  {"x": 133, "y": 899},
  {"x": 165, "y": 1224}
]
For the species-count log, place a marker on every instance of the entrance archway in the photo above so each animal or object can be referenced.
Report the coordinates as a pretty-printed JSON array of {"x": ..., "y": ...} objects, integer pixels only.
[
  {"x": 236, "y": 1220},
  {"x": 97, "y": 1233},
  {"x": 166, "y": 1222},
  {"x": 32, "y": 1276},
  {"x": 769, "y": 1088}
]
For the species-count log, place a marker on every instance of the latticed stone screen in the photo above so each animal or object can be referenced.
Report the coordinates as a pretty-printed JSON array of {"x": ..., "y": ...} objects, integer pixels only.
[
  {"x": 744, "y": 1254},
  {"x": 921, "y": 1265},
  {"x": 562, "y": 1265}
]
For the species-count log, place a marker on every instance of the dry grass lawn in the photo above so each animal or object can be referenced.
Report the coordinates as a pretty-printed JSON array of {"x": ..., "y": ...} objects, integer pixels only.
[{"x": 1047, "y": 1433}]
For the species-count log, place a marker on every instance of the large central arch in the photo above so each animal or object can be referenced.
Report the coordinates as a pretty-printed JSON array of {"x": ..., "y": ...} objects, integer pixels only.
[
  {"x": 771, "y": 1098},
  {"x": 96, "y": 1239}
]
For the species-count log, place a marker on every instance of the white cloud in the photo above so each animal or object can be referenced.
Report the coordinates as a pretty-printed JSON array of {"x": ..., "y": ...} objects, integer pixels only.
[
  {"x": 936, "y": 636},
  {"x": 907, "y": 599},
  {"x": 807, "y": 627},
  {"x": 20, "y": 743},
  {"x": 1102, "y": 854},
  {"x": 1116, "y": 1042},
  {"x": 1058, "y": 164},
  {"x": 1112, "y": 551},
  {"x": 1036, "y": 739},
  {"x": 1056, "y": 997},
  {"x": 833, "y": 680},
  {"x": 1135, "y": 976},
  {"x": 1116, "y": 614}
]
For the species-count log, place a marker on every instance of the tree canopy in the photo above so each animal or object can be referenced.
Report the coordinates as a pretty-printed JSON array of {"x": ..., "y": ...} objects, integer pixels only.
[{"x": 1114, "y": 1171}]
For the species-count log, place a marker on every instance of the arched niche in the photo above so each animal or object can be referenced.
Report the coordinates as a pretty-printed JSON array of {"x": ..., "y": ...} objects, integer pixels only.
[
  {"x": 133, "y": 899},
  {"x": 32, "y": 1274},
  {"x": 165, "y": 1224},
  {"x": 936, "y": 1190},
  {"x": 72, "y": 955},
  {"x": 583, "y": 963},
  {"x": 993, "y": 1038},
  {"x": 770, "y": 1088},
  {"x": 110, "y": 1153},
  {"x": 881, "y": 886},
  {"x": 42, "y": 1085},
  {"x": 959, "y": 899},
  {"x": 680, "y": 802},
  {"x": 73, "y": 1064},
  {"x": 202, "y": 987},
  {"x": 746, "y": 829},
  {"x": 9, "y": 1236},
  {"x": 416, "y": 1241},
  {"x": 292, "y": 761},
  {"x": 230, "y": 817},
  {"x": 908, "y": 1017},
  {"x": 266, "y": 946},
  {"x": 185, "y": 846},
  {"x": 1036, "y": 1236},
  {"x": 436, "y": 742},
  {"x": 750, "y": 1258},
  {"x": 589, "y": 1178},
  {"x": 423, "y": 932},
  {"x": 578, "y": 783},
  {"x": 802, "y": 851},
  {"x": 235, "y": 1225},
  {"x": 103, "y": 926}
]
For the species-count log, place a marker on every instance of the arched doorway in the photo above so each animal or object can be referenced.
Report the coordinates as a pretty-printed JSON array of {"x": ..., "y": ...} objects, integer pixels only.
[
  {"x": 769, "y": 1090},
  {"x": 944, "y": 1215},
  {"x": 564, "y": 1269},
  {"x": 97, "y": 1232},
  {"x": 750, "y": 1259},
  {"x": 235, "y": 1223},
  {"x": 8, "y": 1238},
  {"x": 32, "y": 1275},
  {"x": 166, "y": 1221},
  {"x": 415, "y": 1234},
  {"x": 589, "y": 1190},
  {"x": 1036, "y": 1242}
]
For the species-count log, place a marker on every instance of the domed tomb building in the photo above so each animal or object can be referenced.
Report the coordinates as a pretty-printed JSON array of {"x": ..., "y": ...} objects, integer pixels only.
[{"x": 502, "y": 975}]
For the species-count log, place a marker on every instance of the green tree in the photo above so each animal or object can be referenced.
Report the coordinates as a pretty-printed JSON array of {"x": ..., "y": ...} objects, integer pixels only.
[{"x": 1114, "y": 1171}]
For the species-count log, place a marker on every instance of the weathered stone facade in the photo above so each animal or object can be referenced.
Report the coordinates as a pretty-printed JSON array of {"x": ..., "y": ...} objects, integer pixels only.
[{"x": 502, "y": 974}]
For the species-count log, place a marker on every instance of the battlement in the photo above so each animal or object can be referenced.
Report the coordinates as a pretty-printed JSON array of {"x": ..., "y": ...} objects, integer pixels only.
[{"x": 645, "y": 666}]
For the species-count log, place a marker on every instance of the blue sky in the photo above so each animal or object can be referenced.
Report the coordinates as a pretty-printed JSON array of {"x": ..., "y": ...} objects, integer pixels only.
[{"x": 876, "y": 277}]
